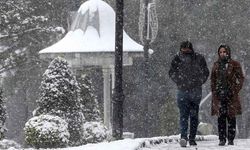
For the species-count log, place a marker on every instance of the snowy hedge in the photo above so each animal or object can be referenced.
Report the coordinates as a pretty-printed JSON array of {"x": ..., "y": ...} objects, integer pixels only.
[
  {"x": 46, "y": 131},
  {"x": 94, "y": 132},
  {"x": 8, "y": 144}
]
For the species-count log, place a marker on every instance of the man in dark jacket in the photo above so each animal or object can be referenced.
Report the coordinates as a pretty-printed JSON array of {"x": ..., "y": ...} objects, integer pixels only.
[{"x": 189, "y": 71}]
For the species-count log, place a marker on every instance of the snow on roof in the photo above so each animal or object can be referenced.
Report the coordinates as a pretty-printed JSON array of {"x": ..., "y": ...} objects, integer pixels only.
[{"x": 93, "y": 30}]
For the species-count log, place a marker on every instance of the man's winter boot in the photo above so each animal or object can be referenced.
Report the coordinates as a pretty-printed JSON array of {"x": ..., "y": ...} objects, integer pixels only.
[
  {"x": 222, "y": 142},
  {"x": 192, "y": 142},
  {"x": 230, "y": 142},
  {"x": 183, "y": 142}
]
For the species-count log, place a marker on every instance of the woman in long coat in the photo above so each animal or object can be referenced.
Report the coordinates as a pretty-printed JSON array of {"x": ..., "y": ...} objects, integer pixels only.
[{"x": 226, "y": 82}]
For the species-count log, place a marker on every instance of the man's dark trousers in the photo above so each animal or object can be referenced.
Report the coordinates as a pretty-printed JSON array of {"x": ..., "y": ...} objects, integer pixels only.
[{"x": 188, "y": 102}]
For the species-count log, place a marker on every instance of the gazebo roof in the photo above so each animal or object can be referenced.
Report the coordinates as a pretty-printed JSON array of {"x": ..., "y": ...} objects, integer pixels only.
[{"x": 93, "y": 30}]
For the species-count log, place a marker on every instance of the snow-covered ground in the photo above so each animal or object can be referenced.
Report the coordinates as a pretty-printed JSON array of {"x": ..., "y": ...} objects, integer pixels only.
[
  {"x": 126, "y": 144},
  {"x": 240, "y": 144},
  {"x": 160, "y": 143}
]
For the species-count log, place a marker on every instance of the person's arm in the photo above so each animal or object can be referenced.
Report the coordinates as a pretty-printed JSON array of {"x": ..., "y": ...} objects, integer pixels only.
[
  {"x": 204, "y": 70},
  {"x": 239, "y": 78},
  {"x": 173, "y": 71},
  {"x": 213, "y": 80}
]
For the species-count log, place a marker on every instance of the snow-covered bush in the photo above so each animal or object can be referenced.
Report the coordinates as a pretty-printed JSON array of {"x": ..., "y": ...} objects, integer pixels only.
[
  {"x": 46, "y": 131},
  {"x": 59, "y": 96},
  {"x": 75, "y": 121},
  {"x": 94, "y": 132},
  {"x": 205, "y": 128},
  {"x": 7, "y": 144},
  {"x": 59, "y": 88},
  {"x": 88, "y": 99}
]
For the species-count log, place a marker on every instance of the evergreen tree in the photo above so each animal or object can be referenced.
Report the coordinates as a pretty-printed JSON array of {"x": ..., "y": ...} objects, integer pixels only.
[
  {"x": 88, "y": 99},
  {"x": 59, "y": 96},
  {"x": 58, "y": 88},
  {"x": 94, "y": 131},
  {"x": 24, "y": 31},
  {"x": 3, "y": 115}
]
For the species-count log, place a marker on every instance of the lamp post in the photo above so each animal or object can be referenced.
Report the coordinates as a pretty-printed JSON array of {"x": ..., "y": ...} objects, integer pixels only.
[
  {"x": 148, "y": 27},
  {"x": 118, "y": 96},
  {"x": 146, "y": 67}
]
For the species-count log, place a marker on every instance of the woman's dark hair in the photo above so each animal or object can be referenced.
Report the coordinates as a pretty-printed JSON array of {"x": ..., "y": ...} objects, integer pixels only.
[
  {"x": 186, "y": 44},
  {"x": 227, "y": 48}
]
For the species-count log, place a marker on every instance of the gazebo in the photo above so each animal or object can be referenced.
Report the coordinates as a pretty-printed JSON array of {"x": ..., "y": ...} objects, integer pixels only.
[{"x": 91, "y": 42}]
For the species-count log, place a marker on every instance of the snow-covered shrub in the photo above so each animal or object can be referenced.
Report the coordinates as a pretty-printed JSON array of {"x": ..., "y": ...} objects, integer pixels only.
[
  {"x": 46, "y": 131},
  {"x": 75, "y": 122},
  {"x": 59, "y": 96},
  {"x": 59, "y": 88},
  {"x": 94, "y": 132},
  {"x": 7, "y": 144},
  {"x": 88, "y": 99},
  {"x": 205, "y": 128}
]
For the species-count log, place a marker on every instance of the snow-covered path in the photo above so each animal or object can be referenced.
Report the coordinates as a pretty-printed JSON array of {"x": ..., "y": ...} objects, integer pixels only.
[
  {"x": 208, "y": 142},
  {"x": 240, "y": 144}
]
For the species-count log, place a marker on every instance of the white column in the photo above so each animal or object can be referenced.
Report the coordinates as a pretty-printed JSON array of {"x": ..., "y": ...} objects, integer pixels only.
[{"x": 107, "y": 96}]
